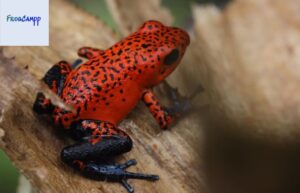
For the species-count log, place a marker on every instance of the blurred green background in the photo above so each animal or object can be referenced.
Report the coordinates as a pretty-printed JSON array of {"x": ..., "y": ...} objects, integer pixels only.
[{"x": 182, "y": 14}]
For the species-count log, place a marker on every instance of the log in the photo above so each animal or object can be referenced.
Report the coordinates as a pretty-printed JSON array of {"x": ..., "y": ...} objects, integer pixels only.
[{"x": 33, "y": 144}]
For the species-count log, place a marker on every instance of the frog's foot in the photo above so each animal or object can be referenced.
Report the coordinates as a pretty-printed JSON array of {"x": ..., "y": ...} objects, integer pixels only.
[
  {"x": 179, "y": 107},
  {"x": 180, "y": 104},
  {"x": 116, "y": 173},
  {"x": 54, "y": 79},
  {"x": 42, "y": 105},
  {"x": 56, "y": 75}
]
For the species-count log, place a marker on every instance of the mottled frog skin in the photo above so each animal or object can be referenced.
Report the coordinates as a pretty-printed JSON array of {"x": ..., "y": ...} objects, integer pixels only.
[{"x": 104, "y": 90}]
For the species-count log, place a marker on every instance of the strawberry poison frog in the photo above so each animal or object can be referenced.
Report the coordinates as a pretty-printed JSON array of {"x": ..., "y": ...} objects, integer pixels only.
[{"x": 104, "y": 90}]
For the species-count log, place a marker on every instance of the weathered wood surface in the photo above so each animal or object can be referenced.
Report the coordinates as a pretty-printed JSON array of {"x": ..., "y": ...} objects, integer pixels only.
[{"x": 33, "y": 144}]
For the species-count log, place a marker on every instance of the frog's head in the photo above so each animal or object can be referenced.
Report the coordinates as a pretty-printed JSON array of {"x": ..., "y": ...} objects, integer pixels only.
[{"x": 159, "y": 50}]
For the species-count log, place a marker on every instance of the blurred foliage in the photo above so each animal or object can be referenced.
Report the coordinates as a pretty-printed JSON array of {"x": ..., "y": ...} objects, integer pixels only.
[
  {"x": 180, "y": 9},
  {"x": 8, "y": 175},
  {"x": 97, "y": 8}
]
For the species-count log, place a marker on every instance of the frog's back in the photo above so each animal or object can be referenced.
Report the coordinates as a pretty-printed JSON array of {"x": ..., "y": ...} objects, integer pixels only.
[{"x": 100, "y": 90}]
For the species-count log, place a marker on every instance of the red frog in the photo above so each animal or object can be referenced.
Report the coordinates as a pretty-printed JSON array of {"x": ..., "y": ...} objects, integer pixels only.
[{"x": 104, "y": 90}]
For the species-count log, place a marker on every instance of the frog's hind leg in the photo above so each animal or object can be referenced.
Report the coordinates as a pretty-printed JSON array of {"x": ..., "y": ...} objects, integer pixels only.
[
  {"x": 102, "y": 142},
  {"x": 54, "y": 79}
]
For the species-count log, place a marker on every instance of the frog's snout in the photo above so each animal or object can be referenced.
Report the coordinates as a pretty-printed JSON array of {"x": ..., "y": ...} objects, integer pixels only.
[{"x": 183, "y": 37}]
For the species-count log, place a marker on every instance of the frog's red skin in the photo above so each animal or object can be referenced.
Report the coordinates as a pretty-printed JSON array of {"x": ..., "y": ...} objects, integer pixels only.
[{"x": 105, "y": 89}]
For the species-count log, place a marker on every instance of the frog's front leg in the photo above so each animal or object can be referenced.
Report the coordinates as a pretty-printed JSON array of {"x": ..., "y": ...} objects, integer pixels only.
[
  {"x": 159, "y": 113},
  {"x": 101, "y": 141},
  {"x": 88, "y": 52},
  {"x": 164, "y": 116},
  {"x": 54, "y": 79}
]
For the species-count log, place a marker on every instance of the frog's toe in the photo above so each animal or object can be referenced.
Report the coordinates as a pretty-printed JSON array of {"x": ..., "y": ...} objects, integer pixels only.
[
  {"x": 141, "y": 176},
  {"x": 132, "y": 175},
  {"x": 127, "y": 164},
  {"x": 127, "y": 186},
  {"x": 128, "y": 175}
]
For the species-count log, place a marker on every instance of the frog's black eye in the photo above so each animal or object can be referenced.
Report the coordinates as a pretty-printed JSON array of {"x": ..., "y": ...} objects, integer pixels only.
[{"x": 171, "y": 57}]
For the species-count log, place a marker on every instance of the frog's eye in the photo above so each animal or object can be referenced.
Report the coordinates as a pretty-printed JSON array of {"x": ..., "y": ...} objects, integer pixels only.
[{"x": 171, "y": 57}]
